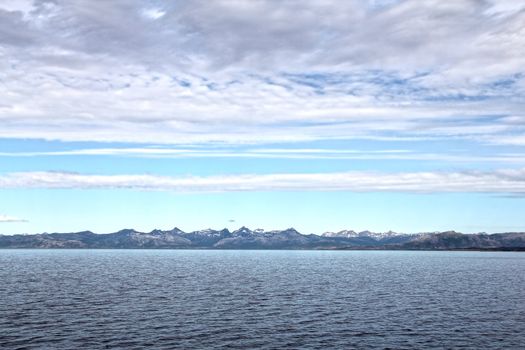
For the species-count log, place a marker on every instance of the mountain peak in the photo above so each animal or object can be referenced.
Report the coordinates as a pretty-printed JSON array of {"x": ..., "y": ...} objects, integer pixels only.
[
  {"x": 174, "y": 231},
  {"x": 127, "y": 231},
  {"x": 291, "y": 230},
  {"x": 342, "y": 234},
  {"x": 242, "y": 230}
]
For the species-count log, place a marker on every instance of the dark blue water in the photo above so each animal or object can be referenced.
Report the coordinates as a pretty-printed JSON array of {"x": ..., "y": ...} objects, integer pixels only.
[{"x": 167, "y": 299}]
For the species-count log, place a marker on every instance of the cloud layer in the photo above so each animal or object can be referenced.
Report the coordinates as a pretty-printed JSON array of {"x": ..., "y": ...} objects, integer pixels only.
[
  {"x": 500, "y": 182},
  {"x": 262, "y": 71},
  {"x": 279, "y": 153}
]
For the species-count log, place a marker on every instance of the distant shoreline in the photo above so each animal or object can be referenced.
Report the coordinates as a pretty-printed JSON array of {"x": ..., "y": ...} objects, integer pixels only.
[{"x": 521, "y": 249}]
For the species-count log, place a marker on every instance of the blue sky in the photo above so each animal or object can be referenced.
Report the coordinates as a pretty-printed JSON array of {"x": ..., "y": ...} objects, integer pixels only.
[{"x": 318, "y": 115}]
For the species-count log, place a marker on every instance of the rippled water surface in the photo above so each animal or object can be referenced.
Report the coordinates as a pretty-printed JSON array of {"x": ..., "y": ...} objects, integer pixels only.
[{"x": 166, "y": 299}]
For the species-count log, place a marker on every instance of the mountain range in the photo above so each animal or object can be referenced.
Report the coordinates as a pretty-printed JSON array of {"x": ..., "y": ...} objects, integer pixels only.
[{"x": 245, "y": 238}]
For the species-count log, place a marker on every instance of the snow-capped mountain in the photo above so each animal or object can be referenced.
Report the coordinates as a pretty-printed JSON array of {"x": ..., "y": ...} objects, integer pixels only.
[
  {"x": 244, "y": 238},
  {"x": 353, "y": 234}
]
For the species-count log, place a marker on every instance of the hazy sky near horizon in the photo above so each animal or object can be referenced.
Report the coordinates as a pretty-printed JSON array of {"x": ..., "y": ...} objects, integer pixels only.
[{"x": 321, "y": 115}]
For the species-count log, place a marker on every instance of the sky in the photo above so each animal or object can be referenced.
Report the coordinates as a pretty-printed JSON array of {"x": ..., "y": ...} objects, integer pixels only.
[{"x": 321, "y": 115}]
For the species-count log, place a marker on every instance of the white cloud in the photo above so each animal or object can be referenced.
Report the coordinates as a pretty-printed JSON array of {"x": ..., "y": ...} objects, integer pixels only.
[
  {"x": 501, "y": 182},
  {"x": 6, "y": 218},
  {"x": 261, "y": 71},
  {"x": 281, "y": 153},
  {"x": 153, "y": 13},
  {"x": 23, "y": 6}
]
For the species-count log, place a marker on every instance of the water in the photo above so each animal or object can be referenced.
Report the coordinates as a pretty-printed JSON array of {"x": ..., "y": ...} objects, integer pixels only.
[{"x": 167, "y": 299}]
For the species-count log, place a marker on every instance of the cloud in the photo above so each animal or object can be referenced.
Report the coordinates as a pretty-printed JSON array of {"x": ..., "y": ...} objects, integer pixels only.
[
  {"x": 279, "y": 153},
  {"x": 262, "y": 71},
  {"x": 153, "y": 13},
  {"x": 500, "y": 182},
  {"x": 6, "y": 218}
]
